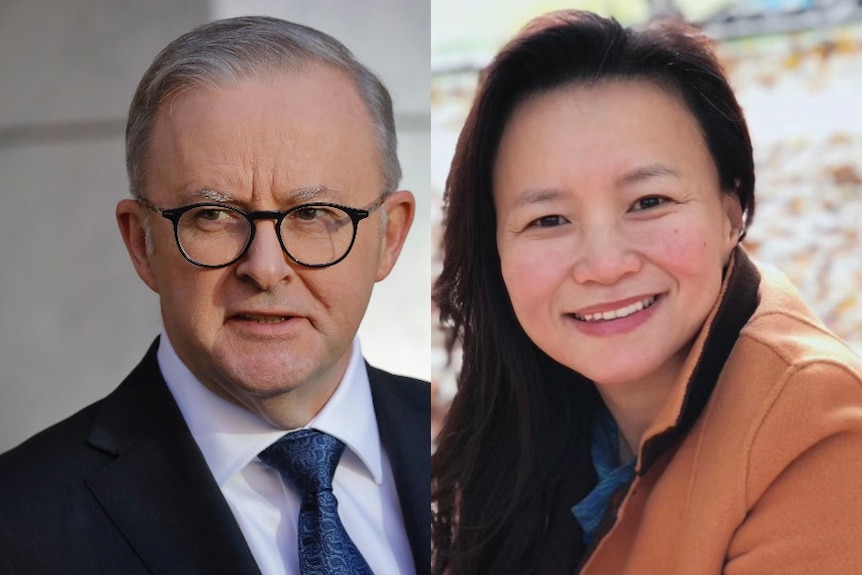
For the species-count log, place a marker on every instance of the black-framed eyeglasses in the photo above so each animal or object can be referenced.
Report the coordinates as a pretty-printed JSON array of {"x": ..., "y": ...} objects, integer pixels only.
[{"x": 213, "y": 235}]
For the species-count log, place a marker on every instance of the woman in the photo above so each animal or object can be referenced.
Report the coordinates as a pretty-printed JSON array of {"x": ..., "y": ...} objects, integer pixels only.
[{"x": 636, "y": 395}]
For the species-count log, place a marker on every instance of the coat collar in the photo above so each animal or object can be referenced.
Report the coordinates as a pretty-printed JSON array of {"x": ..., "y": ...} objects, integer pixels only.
[
  {"x": 158, "y": 490},
  {"x": 403, "y": 409},
  {"x": 160, "y": 494},
  {"x": 736, "y": 304}
]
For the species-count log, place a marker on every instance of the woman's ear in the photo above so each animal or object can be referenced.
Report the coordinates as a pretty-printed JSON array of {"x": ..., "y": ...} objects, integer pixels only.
[{"x": 734, "y": 220}]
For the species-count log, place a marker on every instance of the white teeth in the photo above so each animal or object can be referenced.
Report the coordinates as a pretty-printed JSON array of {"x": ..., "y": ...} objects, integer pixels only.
[{"x": 617, "y": 313}]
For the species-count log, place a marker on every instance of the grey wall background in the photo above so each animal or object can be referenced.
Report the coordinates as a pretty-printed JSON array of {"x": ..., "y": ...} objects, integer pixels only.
[{"x": 74, "y": 317}]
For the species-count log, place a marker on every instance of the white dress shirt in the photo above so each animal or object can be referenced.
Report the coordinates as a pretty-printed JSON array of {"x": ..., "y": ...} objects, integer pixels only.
[{"x": 266, "y": 509}]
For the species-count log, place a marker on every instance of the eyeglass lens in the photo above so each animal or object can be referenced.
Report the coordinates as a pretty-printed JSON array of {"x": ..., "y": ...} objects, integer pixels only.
[{"x": 313, "y": 235}]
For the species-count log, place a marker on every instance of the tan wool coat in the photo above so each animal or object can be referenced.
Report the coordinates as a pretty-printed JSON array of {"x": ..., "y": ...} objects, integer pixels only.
[{"x": 754, "y": 466}]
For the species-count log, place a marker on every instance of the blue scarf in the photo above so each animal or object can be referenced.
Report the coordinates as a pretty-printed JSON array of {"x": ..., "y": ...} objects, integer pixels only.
[{"x": 612, "y": 475}]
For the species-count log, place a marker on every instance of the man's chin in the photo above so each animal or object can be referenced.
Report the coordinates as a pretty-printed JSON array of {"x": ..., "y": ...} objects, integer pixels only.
[{"x": 260, "y": 380}]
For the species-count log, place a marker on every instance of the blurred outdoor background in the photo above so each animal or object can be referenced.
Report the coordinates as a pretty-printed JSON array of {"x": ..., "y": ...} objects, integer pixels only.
[{"x": 796, "y": 67}]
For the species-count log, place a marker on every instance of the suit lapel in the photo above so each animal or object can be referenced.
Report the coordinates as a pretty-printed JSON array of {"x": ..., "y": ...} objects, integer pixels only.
[
  {"x": 159, "y": 491},
  {"x": 403, "y": 409}
]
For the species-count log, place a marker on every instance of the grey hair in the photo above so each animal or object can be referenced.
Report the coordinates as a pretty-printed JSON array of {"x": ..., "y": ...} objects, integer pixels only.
[{"x": 225, "y": 51}]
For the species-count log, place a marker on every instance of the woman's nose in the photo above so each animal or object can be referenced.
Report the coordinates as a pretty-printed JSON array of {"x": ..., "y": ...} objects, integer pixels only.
[{"x": 604, "y": 256}]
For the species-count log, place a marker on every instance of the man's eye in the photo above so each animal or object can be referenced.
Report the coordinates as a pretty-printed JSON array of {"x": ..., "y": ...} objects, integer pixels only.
[
  {"x": 316, "y": 216},
  {"x": 548, "y": 221},
  {"x": 648, "y": 203},
  {"x": 307, "y": 214},
  {"x": 211, "y": 214}
]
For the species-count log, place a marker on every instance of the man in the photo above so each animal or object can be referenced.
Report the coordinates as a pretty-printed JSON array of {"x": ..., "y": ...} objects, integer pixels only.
[{"x": 263, "y": 169}]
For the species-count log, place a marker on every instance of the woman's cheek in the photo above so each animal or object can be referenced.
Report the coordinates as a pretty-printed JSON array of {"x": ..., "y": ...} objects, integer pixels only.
[
  {"x": 530, "y": 273},
  {"x": 684, "y": 247}
]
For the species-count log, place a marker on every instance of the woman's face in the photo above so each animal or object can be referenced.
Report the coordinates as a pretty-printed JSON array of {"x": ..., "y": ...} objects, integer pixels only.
[{"x": 611, "y": 228}]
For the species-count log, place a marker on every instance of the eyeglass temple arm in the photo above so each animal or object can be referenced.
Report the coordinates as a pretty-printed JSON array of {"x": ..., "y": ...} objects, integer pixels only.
[
  {"x": 377, "y": 203},
  {"x": 149, "y": 205}
]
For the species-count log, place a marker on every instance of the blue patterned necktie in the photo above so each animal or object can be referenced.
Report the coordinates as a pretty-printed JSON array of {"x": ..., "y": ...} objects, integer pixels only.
[{"x": 306, "y": 459}]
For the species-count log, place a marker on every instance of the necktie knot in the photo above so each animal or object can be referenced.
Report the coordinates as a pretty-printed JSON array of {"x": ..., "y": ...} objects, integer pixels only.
[{"x": 306, "y": 458}]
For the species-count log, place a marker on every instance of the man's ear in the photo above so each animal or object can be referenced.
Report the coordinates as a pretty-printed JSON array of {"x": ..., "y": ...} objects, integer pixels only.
[
  {"x": 400, "y": 207},
  {"x": 130, "y": 218}
]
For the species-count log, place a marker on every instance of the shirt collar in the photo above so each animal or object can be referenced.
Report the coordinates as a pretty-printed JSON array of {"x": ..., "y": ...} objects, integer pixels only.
[{"x": 230, "y": 436}]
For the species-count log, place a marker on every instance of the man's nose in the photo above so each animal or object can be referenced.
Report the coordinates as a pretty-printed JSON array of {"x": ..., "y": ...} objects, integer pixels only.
[
  {"x": 265, "y": 262},
  {"x": 604, "y": 255}
]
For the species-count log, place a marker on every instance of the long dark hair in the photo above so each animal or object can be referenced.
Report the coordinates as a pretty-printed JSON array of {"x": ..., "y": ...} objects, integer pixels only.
[{"x": 520, "y": 421}]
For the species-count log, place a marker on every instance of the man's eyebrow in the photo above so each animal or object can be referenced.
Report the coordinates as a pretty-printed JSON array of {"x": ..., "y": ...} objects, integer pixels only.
[
  {"x": 647, "y": 172},
  {"x": 214, "y": 195},
  {"x": 297, "y": 195},
  {"x": 535, "y": 196},
  {"x": 312, "y": 193}
]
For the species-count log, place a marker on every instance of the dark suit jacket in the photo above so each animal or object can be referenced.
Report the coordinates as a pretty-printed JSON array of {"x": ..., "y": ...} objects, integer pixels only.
[{"x": 121, "y": 486}]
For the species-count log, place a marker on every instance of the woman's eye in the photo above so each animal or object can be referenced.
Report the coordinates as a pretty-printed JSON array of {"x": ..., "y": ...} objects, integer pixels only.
[
  {"x": 547, "y": 222},
  {"x": 648, "y": 202}
]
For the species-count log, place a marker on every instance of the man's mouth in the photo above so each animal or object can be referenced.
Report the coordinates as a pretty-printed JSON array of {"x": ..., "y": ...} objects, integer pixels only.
[
  {"x": 264, "y": 318},
  {"x": 622, "y": 312}
]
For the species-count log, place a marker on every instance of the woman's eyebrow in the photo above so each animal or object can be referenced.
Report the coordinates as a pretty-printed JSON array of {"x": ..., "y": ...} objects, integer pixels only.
[
  {"x": 647, "y": 172},
  {"x": 639, "y": 174},
  {"x": 535, "y": 196}
]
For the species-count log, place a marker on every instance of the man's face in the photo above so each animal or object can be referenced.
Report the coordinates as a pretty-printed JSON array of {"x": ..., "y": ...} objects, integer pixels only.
[{"x": 265, "y": 329}]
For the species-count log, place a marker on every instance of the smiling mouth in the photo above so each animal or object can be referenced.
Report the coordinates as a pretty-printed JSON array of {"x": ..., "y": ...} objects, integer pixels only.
[{"x": 617, "y": 313}]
